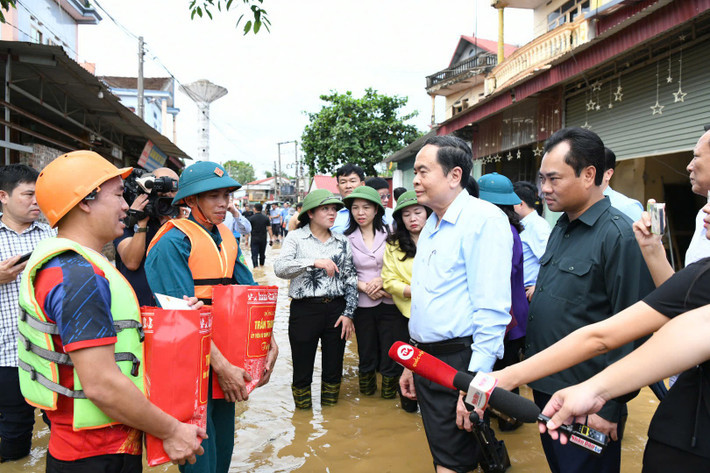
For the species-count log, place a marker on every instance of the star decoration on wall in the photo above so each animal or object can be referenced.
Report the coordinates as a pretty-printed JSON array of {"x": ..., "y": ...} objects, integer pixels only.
[
  {"x": 669, "y": 79},
  {"x": 658, "y": 108},
  {"x": 518, "y": 155},
  {"x": 598, "y": 107},
  {"x": 596, "y": 86},
  {"x": 590, "y": 104},
  {"x": 610, "y": 105},
  {"x": 509, "y": 157},
  {"x": 587, "y": 126},
  {"x": 618, "y": 94},
  {"x": 680, "y": 95},
  {"x": 537, "y": 151}
]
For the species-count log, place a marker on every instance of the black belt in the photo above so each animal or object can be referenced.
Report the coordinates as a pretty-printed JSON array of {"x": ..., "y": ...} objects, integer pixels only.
[
  {"x": 320, "y": 300},
  {"x": 444, "y": 347}
]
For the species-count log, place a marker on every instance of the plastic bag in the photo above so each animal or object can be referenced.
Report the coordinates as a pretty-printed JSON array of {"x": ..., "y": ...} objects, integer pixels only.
[
  {"x": 177, "y": 362},
  {"x": 243, "y": 320}
]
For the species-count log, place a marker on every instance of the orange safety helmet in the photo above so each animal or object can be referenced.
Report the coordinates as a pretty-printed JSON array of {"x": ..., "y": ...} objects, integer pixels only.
[{"x": 71, "y": 177}]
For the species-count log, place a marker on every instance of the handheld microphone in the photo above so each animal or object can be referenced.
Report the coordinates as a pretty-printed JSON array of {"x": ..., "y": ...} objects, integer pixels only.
[{"x": 441, "y": 373}]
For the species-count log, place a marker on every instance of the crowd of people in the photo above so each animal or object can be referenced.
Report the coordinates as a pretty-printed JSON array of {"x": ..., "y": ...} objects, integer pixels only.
[{"x": 467, "y": 271}]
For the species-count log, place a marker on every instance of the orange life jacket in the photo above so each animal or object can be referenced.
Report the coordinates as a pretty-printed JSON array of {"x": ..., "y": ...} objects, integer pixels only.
[{"x": 209, "y": 265}]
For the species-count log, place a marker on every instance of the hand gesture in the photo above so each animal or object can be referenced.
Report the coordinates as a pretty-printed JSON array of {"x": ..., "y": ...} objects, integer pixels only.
[
  {"x": 183, "y": 443},
  {"x": 9, "y": 269},
  {"x": 329, "y": 265},
  {"x": 642, "y": 230},
  {"x": 347, "y": 327}
]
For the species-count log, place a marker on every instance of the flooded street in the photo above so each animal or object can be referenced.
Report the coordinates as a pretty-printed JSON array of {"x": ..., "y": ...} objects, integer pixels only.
[{"x": 359, "y": 434}]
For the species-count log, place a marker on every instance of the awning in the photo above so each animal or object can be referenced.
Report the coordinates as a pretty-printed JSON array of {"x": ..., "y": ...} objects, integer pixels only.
[{"x": 55, "y": 101}]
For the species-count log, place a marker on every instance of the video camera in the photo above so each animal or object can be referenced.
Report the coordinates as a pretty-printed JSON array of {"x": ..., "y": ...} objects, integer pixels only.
[{"x": 142, "y": 182}]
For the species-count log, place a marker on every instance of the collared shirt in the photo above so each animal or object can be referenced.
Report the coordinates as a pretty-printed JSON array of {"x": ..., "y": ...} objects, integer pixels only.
[
  {"x": 296, "y": 262},
  {"x": 238, "y": 226},
  {"x": 368, "y": 263},
  {"x": 168, "y": 271},
  {"x": 461, "y": 279},
  {"x": 396, "y": 276},
  {"x": 632, "y": 208},
  {"x": 534, "y": 240},
  {"x": 13, "y": 244},
  {"x": 592, "y": 269},
  {"x": 342, "y": 221},
  {"x": 699, "y": 247}
]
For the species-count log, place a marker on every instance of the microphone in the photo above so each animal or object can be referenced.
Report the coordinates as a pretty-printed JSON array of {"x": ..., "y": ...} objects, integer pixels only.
[{"x": 479, "y": 389}]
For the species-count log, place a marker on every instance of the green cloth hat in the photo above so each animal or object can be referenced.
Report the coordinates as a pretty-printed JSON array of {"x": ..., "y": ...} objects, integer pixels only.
[
  {"x": 364, "y": 192},
  {"x": 317, "y": 198},
  {"x": 407, "y": 199},
  {"x": 201, "y": 177}
]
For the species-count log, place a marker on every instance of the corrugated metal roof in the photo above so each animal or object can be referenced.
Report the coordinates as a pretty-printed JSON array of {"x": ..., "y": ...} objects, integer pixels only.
[{"x": 44, "y": 75}]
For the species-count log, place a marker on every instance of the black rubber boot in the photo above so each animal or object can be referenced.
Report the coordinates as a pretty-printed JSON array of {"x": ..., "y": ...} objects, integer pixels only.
[
  {"x": 390, "y": 386},
  {"x": 302, "y": 397},
  {"x": 329, "y": 393},
  {"x": 368, "y": 383}
]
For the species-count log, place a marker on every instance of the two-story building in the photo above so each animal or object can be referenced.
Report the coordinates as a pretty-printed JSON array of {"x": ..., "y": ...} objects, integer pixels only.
[{"x": 632, "y": 71}]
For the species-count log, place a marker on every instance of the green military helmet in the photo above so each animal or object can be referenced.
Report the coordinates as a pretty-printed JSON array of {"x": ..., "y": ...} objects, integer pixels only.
[
  {"x": 201, "y": 177},
  {"x": 317, "y": 198},
  {"x": 366, "y": 193},
  {"x": 407, "y": 199}
]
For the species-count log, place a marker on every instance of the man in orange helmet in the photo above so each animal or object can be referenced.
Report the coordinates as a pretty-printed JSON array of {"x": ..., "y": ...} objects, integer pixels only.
[{"x": 80, "y": 344}]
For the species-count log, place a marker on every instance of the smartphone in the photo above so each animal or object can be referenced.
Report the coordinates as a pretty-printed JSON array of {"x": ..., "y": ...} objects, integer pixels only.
[
  {"x": 657, "y": 211},
  {"x": 23, "y": 258}
]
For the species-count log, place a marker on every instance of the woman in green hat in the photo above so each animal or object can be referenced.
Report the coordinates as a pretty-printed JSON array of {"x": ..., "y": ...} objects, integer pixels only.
[
  {"x": 378, "y": 323},
  {"x": 409, "y": 219},
  {"x": 323, "y": 294}
]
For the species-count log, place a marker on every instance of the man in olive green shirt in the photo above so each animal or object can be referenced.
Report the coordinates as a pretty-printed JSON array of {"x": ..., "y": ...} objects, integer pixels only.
[{"x": 592, "y": 268}]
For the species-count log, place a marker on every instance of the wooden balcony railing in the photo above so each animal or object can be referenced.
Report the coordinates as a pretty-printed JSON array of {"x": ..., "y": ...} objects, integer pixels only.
[
  {"x": 482, "y": 64},
  {"x": 541, "y": 50}
]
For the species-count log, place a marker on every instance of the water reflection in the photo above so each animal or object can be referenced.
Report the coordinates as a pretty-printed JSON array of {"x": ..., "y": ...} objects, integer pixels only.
[{"x": 359, "y": 434}]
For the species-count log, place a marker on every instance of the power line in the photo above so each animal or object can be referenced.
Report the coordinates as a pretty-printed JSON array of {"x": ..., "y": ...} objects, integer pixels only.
[{"x": 46, "y": 27}]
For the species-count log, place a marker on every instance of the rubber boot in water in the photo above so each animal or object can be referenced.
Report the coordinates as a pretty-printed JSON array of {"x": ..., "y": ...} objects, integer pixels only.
[
  {"x": 368, "y": 383},
  {"x": 302, "y": 397},
  {"x": 390, "y": 387},
  {"x": 329, "y": 393}
]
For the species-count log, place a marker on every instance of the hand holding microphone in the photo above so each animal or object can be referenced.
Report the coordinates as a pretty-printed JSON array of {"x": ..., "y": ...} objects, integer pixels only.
[{"x": 481, "y": 392}]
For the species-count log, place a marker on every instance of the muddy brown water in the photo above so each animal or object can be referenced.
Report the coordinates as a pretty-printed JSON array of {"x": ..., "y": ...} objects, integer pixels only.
[{"x": 359, "y": 434}]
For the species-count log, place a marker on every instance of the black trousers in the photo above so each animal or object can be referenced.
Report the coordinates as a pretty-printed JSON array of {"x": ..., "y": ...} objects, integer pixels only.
[
  {"x": 118, "y": 463},
  {"x": 258, "y": 251},
  {"x": 376, "y": 329},
  {"x": 450, "y": 447},
  {"x": 17, "y": 418},
  {"x": 659, "y": 457},
  {"x": 308, "y": 323},
  {"x": 573, "y": 459}
]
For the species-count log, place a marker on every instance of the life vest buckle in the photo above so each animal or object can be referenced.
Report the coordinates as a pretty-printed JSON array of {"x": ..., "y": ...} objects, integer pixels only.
[
  {"x": 26, "y": 342},
  {"x": 33, "y": 374},
  {"x": 136, "y": 365},
  {"x": 141, "y": 333}
]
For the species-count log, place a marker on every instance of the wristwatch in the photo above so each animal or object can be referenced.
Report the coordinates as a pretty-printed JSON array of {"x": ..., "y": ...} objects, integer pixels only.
[{"x": 137, "y": 229}]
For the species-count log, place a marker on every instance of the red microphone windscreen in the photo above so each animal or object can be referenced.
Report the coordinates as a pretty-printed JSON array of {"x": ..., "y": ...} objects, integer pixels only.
[{"x": 423, "y": 364}]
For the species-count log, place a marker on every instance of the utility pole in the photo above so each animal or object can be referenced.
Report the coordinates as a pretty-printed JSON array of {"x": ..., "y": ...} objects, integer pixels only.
[
  {"x": 298, "y": 177},
  {"x": 276, "y": 184},
  {"x": 141, "y": 53}
]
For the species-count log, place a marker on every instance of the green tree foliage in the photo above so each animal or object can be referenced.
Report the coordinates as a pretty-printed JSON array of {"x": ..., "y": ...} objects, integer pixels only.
[
  {"x": 361, "y": 131},
  {"x": 259, "y": 17},
  {"x": 242, "y": 171},
  {"x": 6, "y": 5}
]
